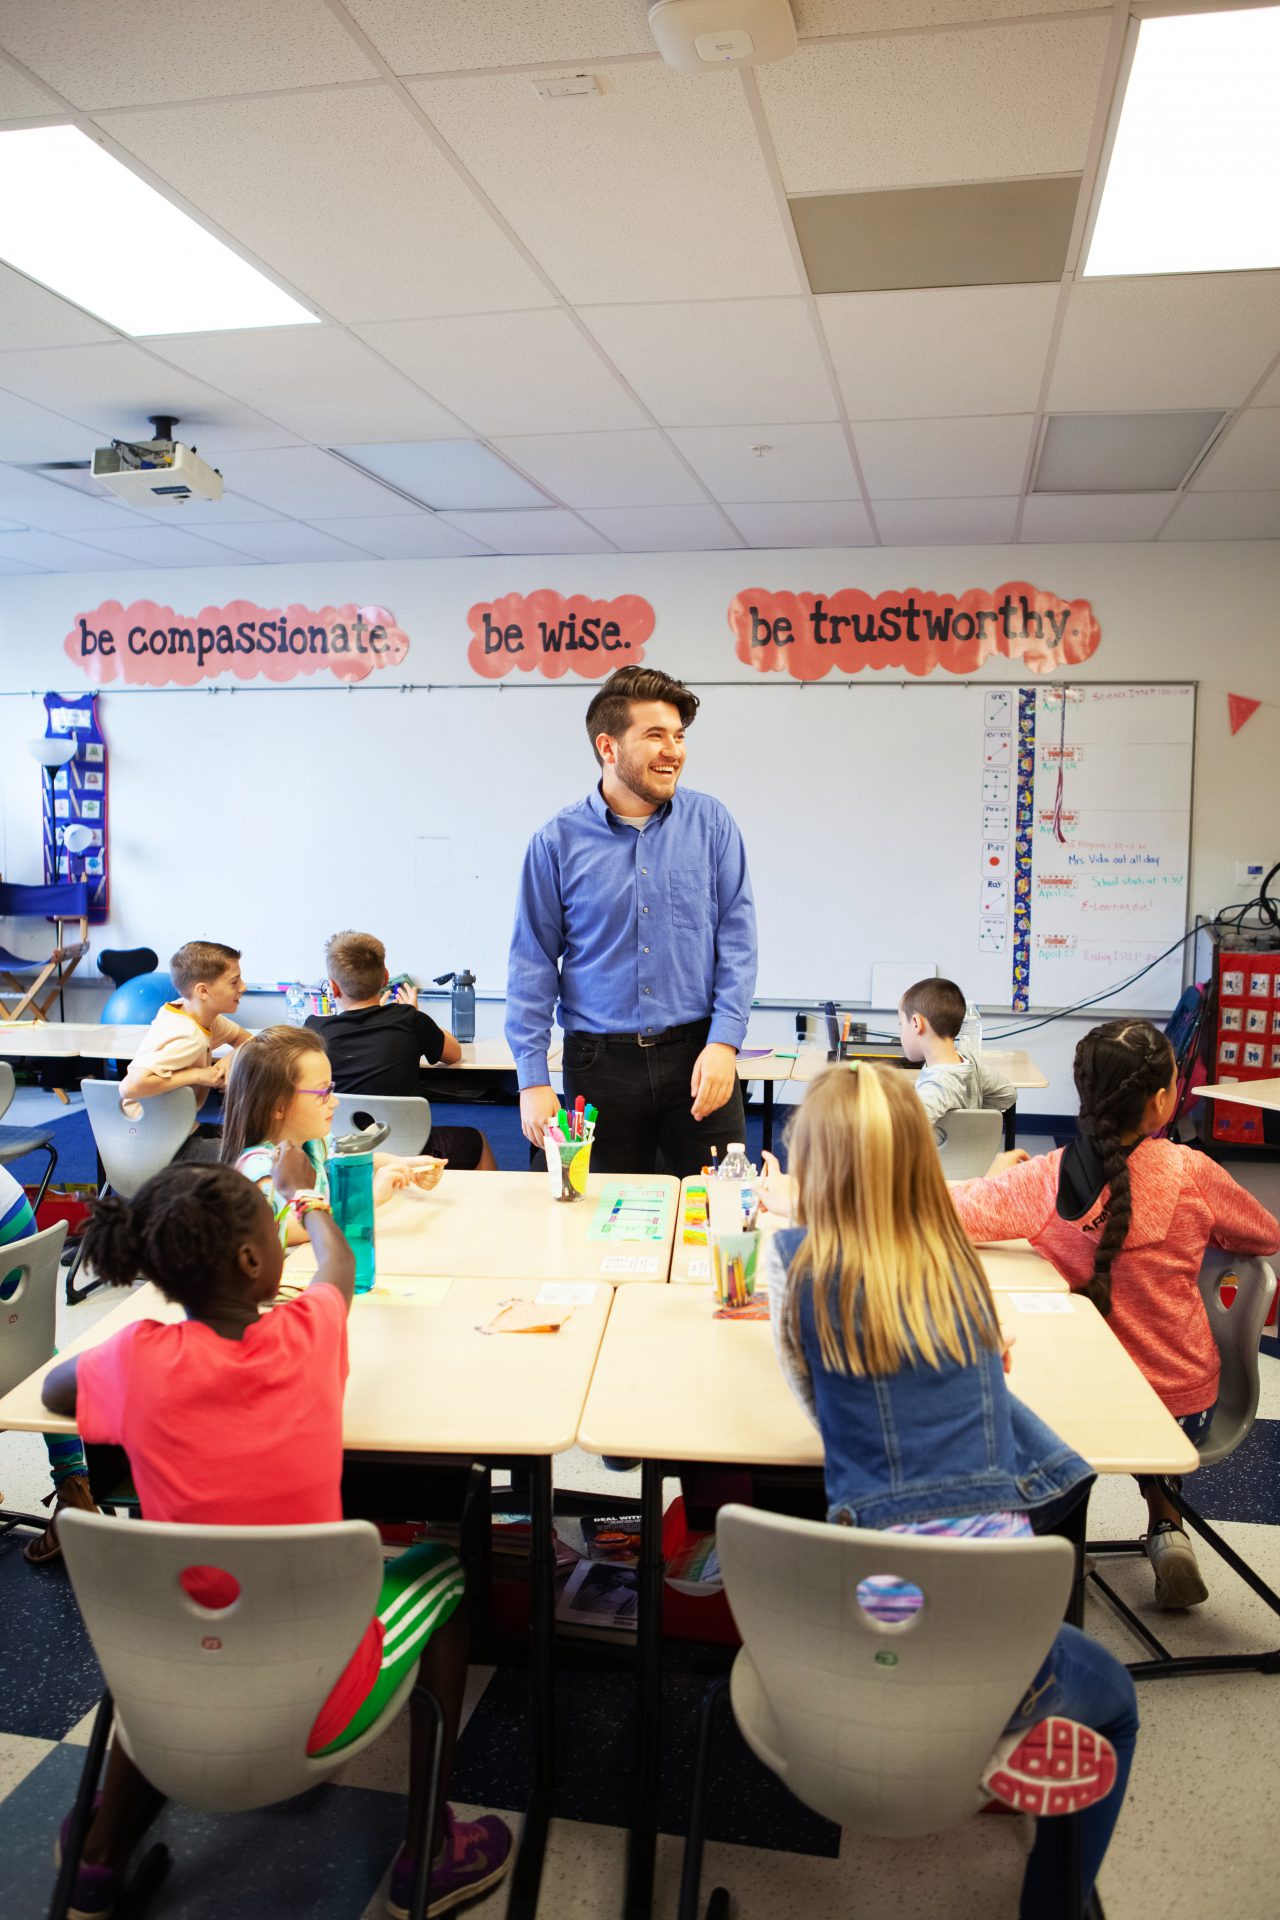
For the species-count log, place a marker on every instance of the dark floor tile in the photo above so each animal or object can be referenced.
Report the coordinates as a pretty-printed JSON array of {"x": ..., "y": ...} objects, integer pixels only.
[
  {"x": 1247, "y": 1484},
  {"x": 49, "y": 1677}
]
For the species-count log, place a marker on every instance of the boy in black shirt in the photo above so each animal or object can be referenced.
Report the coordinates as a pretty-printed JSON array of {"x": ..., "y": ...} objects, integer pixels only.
[{"x": 377, "y": 1045}]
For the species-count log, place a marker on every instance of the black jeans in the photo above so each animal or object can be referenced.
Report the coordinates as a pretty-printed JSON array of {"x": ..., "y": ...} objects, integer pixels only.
[{"x": 645, "y": 1106}]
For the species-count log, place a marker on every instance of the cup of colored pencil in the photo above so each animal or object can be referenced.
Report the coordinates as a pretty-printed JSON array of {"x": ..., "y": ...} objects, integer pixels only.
[
  {"x": 567, "y": 1143},
  {"x": 733, "y": 1267}
]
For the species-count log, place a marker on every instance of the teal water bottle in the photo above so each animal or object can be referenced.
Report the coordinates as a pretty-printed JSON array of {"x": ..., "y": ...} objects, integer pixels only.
[{"x": 351, "y": 1199}]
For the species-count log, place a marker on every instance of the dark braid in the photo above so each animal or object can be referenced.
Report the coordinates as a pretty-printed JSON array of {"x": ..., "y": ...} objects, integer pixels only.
[
  {"x": 1118, "y": 1067},
  {"x": 181, "y": 1229}
]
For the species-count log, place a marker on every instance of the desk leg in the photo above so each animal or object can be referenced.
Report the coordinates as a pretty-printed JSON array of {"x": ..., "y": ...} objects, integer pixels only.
[
  {"x": 767, "y": 1128},
  {"x": 644, "y": 1819},
  {"x": 527, "y": 1873},
  {"x": 1011, "y": 1127}
]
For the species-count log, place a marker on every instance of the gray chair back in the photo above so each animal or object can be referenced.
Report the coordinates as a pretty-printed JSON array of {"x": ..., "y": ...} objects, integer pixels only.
[
  {"x": 7, "y": 1085},
  {"x": 968, "y": 1141},
  {"x": 28, "y": 1293},
  {"x": 135, "y": 1144},
  {"x": 409, "y": 1118},
  {"x": 1236, "y": 1331}
]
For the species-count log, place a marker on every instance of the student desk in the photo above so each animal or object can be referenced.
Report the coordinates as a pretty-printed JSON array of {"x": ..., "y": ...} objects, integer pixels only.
[
  {"x": 1249, "y": 1093},
  {"x": 425, "y": 1382},
  {"x": 674, "y": 1385},
  {"x": 487, "y": 1225},
  {"x": 1017, "y": 1067},
  {"x": 70, "y": 1040}
]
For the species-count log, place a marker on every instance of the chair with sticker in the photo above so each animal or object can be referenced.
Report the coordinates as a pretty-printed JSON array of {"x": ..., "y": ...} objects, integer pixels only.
[
  {"x": 883, "y": 1729},
  {"x": 968, "y": 1141},
  {"x": 1236, "y": 1323},
  {"x": 214, "y": 1704},
  {"x": 28, "y": 1296},
  {"x": 134, "y": 1140},
  {"x": 408, "y": 1116},
  {"x": 17, "y": 1142},
  {"x": 65, "y": 900}
]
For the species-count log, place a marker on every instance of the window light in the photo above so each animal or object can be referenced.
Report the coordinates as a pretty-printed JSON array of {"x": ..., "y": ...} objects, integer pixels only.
[
  {"x": 76, "y": 219},
  {"x": 1193, "y": 182}
]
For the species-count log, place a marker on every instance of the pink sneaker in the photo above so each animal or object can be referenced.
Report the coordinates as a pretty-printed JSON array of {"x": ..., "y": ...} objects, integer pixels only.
[
  {"x": 1057, "y": 1766},
  {"x": 476, "y": 1855}
]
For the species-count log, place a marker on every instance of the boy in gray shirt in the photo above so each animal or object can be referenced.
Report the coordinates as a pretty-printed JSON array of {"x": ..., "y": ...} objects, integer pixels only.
[{"x": 930, "y": 1015}]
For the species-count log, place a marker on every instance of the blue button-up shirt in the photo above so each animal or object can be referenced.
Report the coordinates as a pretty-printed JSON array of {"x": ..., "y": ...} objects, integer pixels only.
[{"x": 631, "y": 932}]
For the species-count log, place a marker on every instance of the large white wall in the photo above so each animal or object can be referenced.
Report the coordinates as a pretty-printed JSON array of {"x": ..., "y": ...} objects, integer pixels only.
[{"x": 1207, "y": 613}]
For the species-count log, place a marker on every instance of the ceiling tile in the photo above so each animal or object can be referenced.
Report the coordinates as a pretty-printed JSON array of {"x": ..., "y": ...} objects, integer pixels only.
[
  {"x": 1217, "y": 334},
  {"x": 1094, "y": 516},
  {"x": 442, "y": 39},
  {"x": 36, "y": 502},
  {"x": 114, "y": 389},
  {"x": 480, "y": 367},
  {"x": 53, "y": 553},
  {"x": 943, "y": 459},
  {"x": 412, "y": 536},
  {"x": 20, "y": 98},
  {"x": 173, "y": 547},
  {"x": 287, "y": 540},
  {"x": 1268, "y": 394},
  {"x": 1122, "y": 452},
  {"x": 810, "y": 523},
  {"x": 870, "y": 16},
  {"x": 13, "y": 566},
  {"x": 654, "y": 189},
  {"x": 316, "y": 381},
  {"x": 311, "y": 484},
  {"x": 459, "y": 474},
  {"x": 211, "y": 516},
  {"x": 1247, "y": 458},
  {"x": 31, "y": 316},
  {"x": 801, "y": 462},
  {"x": 718, "y": 362},
  {"x": 945, "y": 523},
  {"x": 551, "y": 531},
  {"x": 663, "y": 529},
  {"x": 29, "y": 432},
  {"x": 1226, "y": 516},
  {"x": 605, "y": 469},
  {"x": 904, "y": 111},
  {"x": 984, "y": 233},
  {"x": 133, "y": 51},
  {"x": 346, "y": 197},
  {"x": 944, "y": 350}
]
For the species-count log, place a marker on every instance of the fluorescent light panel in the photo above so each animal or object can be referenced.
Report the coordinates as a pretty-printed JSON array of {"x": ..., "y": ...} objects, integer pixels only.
[
  {"x": 78, "y": 221},
  {"x": 1121, "y": 452},
  {"x": 1193, "y": 183},
  {"x": 446, "y": 473}
]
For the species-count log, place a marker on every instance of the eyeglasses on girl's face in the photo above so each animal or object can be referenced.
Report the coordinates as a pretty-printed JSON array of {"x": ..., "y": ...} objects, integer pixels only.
[{"x": 317, "y": 1093}]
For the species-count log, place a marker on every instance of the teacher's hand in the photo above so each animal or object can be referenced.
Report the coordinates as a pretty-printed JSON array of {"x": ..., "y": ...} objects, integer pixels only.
[
  {"x": 715, "y": 1072},
  {"x": 538, "y": 1109}
]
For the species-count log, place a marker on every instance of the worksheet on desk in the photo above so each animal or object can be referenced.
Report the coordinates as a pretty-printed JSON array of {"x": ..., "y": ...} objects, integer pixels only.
[{"x": 631, "y": 1213}]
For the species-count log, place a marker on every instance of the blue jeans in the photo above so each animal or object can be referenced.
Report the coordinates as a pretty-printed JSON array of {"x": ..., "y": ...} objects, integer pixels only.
[{"x": 1082, "y": 1681}]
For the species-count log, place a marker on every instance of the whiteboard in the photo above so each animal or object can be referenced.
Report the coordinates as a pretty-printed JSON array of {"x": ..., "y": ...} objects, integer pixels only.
[{"x": 271, "y": 820}]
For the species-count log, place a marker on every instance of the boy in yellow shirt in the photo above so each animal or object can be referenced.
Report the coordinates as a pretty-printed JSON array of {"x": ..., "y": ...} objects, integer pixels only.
[{"x": 178, "y": 1051}]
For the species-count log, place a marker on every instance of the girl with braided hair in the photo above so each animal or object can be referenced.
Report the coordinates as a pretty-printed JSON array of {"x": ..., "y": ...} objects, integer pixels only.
[{"x": 1125, "y": 1216}]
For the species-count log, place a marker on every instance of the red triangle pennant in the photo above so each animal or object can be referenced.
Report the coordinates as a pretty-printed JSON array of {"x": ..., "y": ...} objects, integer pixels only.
[{"x": 1239, "y": 709}]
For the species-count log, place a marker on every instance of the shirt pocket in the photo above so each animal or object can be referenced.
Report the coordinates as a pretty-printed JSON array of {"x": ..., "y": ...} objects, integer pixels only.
[{"x": 690, "y": 897}]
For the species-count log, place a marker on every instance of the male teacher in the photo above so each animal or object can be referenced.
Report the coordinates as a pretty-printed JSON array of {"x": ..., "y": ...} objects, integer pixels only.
[{"x": 635, "y": 914}]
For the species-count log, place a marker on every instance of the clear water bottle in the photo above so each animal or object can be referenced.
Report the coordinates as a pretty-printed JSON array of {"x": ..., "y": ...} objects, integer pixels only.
[
  {"x": 735, "y": 1165},
  {"x": 297, "y": 1009},
  {"x": 969, "y": 1038}
]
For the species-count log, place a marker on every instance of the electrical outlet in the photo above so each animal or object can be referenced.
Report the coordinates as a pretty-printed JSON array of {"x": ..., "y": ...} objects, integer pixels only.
[{"x": 1249, "y": 872}]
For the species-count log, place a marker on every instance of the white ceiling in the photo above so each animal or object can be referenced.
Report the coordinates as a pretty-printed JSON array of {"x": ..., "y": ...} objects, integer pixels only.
[{"x": 604, "y": 292}]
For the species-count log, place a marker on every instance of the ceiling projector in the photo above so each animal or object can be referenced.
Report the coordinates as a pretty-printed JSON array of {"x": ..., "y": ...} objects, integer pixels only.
[
  {"x": 156, "y": 473},
  {"x": 693, "y": 35}
]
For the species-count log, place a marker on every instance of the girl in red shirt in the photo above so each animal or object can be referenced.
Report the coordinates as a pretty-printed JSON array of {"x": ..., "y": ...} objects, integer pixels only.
[
  {"x": 1125, "y": 1217},
  {"x": 199, "y": 1405}
]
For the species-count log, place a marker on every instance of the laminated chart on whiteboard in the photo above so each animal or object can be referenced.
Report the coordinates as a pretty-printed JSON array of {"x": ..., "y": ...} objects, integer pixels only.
[{"x": 1102, "y": 829}]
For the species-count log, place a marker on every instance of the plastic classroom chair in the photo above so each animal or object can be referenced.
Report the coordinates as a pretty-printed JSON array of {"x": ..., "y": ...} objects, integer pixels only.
[
  {"x": 64, "y": 901},
  {"x": 408, "y": 1117},
  {"x": 17, "y": 1142},
  {"x": 883, "y": 1729},
  {"x": 215, "y": 1706},
  {"x": 968, "y": 1141},
  {"x": 1236, "y": 1330},
  {"x": 28, "y": 1288},
  {"x": 131, "y": 1146}
]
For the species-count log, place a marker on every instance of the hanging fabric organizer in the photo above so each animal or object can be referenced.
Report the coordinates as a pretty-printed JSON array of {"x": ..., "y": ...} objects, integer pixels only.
[{"x": 78, "y": 799}]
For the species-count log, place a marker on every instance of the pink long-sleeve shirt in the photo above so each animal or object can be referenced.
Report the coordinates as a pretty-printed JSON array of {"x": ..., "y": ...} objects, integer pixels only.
[{"x": 1183, "y": 1202}]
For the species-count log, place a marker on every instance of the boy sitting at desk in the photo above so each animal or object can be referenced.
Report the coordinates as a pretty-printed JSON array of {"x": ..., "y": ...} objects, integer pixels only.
[
  {"x": 930, "y": 1015},
  {"x": 376, "y": 1042},
  {"x": 178, "y": 1050}
]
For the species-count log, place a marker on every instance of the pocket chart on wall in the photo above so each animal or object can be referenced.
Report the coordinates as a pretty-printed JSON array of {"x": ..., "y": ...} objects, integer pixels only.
[{"x": 78, "y": 800}]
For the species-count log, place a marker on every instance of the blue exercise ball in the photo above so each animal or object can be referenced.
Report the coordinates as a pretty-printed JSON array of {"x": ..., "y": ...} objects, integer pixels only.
[{"x": 139, "y": 1000}]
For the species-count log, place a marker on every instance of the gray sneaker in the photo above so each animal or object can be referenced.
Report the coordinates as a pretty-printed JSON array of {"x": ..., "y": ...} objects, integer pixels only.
[{"x": 1178, "y": 1581}]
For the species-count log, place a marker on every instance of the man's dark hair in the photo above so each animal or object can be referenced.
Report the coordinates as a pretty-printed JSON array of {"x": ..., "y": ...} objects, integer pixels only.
[
  {"x": 939, "y": 1002},
  {"x": 610, "y": 709}
]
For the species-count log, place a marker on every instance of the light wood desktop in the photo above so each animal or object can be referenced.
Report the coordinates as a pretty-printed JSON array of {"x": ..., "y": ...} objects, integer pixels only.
[
  {"x": 486, "y": 1225},
  {"x": 1248, "y": 1093},
  {"x": 1017, "y": 1066}
]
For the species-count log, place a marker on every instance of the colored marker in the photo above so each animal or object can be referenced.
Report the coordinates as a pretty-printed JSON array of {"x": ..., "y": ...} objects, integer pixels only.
[{"x": 579, "y": 1117}]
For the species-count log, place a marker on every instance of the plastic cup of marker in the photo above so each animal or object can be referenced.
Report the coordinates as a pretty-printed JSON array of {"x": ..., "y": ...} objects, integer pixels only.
[
  {"x": 733, "y": 1267},
  {"x": 568, "y": 1164}
]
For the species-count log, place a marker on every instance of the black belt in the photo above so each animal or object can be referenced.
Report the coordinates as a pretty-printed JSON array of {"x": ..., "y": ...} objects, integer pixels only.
[{"x": 695, "y": 1030}]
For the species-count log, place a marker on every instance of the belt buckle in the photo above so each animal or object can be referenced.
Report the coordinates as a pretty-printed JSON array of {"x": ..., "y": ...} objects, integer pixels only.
[{"x": 642, "y": 1042}]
